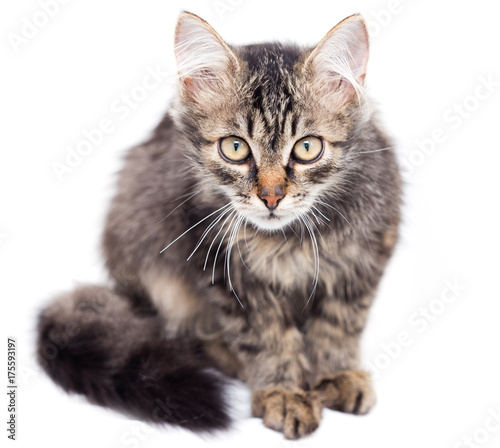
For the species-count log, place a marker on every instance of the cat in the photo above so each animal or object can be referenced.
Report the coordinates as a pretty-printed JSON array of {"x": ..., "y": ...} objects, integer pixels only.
[{"x": 248, "y": 236}]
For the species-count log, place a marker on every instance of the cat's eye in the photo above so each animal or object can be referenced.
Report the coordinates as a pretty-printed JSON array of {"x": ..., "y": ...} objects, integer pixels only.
[
  {"x": 308, "y": 149},
  {"x": 234, "y": 149}
]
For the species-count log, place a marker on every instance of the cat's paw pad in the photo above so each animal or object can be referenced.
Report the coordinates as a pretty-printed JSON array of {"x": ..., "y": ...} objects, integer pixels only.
[
  {"x": 296, "y": 414},
  {"x": 349, "y": 391}
]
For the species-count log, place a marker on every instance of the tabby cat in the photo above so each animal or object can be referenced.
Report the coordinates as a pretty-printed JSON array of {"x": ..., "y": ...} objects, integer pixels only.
[{"x": 248, "y": 236}]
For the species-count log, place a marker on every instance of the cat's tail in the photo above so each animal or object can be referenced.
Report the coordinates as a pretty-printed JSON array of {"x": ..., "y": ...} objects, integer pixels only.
[{"x": 90, "y": 342}]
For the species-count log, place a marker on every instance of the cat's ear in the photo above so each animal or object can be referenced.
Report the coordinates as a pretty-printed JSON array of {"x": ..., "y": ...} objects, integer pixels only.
[
  {"x": 205, "y": 63},
  {"x": 338, "y": 63}
]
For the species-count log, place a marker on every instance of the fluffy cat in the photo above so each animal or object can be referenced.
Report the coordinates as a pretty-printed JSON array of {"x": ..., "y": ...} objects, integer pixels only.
[{"x": 271, "y": 176}]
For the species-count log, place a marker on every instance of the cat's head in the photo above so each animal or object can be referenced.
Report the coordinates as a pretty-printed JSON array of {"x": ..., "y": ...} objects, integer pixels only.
[{"x": 270, "y": 125}]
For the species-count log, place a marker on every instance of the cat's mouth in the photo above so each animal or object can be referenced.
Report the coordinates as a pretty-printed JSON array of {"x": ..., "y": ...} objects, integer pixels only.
[{"x": 271, "y": 220}]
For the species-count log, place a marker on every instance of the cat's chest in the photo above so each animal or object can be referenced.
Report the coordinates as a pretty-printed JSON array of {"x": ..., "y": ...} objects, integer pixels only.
[{"x": 284, "y": 264}]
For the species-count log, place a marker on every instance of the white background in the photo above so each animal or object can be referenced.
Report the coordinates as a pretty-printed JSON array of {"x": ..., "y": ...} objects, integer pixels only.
[{"x": 426, "y": 61}]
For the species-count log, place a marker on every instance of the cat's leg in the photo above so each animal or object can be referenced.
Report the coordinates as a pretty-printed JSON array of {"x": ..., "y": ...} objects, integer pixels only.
[
  {"x": 336, "y": 321},
  {"x": 270, "y": 350},
  {"x": 332, "y": 338},
  {"x": 186, "y": 314}
]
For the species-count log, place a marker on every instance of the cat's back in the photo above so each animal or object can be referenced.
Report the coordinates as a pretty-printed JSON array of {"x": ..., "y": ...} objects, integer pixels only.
[{"x": 145, "y": 210}]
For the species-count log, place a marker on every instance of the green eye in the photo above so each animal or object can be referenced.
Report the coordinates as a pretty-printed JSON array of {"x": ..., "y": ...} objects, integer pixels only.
[
  {"x": 234, "y": 149},
  {"x": 308, "y": 149}
]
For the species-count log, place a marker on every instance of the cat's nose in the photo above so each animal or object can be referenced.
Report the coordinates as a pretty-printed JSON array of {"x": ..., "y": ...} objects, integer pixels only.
[{"x": 271, "y": 196}]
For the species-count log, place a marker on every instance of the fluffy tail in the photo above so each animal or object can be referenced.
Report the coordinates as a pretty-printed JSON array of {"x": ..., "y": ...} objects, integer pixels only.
[{"x": 90, "y": 342}]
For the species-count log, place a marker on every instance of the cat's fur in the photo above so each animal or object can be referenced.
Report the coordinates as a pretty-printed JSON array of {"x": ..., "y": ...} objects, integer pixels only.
[{"x": 284, "y": 309}]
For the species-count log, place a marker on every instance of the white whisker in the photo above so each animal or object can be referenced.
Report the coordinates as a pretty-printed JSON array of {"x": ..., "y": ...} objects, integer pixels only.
[
  {"x": 319, "y": 211},
  {"x": 208, "y": 229},
  {"x": 192, "y": 227},
  {"x": 215, "y": 238},
  {"x": 346, "y": 220},
  {"x": 228, "y": 252},
  {"x": 290, "y": 226},
  {"x": 332, "y": 207},
  {"x": 315, "y": 226},
  {"x": 191, "y": 195},
  {"x": 238, "y": 243},
  {"x": 220, "y": 244},
  {"x": 245, "y": 234},
  {"x": 377, "y": 150},
  {"x": 307, "y": 223}
]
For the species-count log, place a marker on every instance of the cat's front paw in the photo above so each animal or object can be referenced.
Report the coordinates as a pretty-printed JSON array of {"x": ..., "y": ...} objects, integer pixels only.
[
  {"x": 348, "y": 391},
  {"x": 296, "y": 414}
]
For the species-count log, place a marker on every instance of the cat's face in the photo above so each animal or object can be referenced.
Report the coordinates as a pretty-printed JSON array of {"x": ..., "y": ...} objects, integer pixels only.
[{"x": 269, "y": 123}]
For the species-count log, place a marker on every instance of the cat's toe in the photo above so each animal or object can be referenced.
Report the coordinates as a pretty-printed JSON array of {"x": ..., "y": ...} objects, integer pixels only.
[
  {"x": 296, "y": 414},
  {"x": 348, "y": 391}
]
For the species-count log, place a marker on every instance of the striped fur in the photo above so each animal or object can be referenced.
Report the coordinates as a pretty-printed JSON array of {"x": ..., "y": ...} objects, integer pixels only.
[{"x": 276, "y": 298}]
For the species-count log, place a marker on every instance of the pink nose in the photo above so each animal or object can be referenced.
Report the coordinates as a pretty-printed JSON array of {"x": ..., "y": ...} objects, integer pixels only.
[{"x": 271, "y": 197}]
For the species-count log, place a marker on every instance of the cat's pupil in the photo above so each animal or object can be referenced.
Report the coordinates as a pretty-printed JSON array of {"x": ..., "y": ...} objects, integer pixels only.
[
  {"x": 306, "y": 145},
  {"x": 236, "y": 145}
]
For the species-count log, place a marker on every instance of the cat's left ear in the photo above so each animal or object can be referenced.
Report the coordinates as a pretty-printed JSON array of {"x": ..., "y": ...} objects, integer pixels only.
[
  {"x": 205, "y": 63},
  {"x": 338, "y": 62}
]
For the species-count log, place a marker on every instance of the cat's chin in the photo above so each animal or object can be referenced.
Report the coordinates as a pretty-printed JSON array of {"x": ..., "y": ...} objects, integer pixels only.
[{"x": 270, "y": 222}]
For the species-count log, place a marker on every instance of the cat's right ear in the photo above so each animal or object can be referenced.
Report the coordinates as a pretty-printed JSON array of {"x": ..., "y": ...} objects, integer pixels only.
[{"x": 205, "y": 64}]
